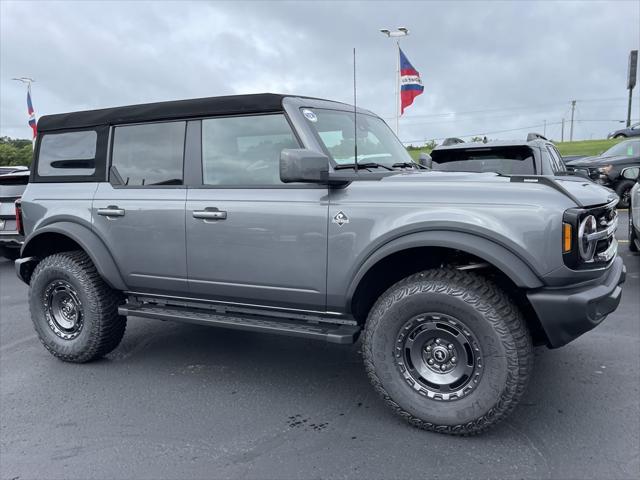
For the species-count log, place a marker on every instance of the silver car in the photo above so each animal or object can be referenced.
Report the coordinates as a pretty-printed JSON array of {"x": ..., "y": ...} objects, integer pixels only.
[{"x": 306, "y": 217}]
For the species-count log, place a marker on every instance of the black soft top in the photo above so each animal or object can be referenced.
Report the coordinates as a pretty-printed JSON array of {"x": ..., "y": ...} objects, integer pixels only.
[{"x": 197, "y": 107}]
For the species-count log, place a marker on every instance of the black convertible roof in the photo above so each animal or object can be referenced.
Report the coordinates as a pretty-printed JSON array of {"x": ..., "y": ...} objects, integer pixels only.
[{"x": 197, "y": 107}]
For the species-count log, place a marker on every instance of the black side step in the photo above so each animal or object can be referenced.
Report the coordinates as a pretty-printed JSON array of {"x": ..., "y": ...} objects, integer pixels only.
[{"x": 344, "y": 334}]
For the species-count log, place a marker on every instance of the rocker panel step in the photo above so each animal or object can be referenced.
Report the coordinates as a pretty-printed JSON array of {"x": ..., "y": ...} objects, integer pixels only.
[{"x": 343, "y": 334}]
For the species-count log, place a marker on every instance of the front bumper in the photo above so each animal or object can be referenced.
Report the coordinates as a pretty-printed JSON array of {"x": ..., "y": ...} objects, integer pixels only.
[{"x": 566, "y": 313}]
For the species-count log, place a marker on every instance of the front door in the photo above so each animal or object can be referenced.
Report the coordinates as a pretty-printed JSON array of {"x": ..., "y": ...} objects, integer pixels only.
[
  {"x": 250, "y": 238},
  {"x": 140, "y": 214}
]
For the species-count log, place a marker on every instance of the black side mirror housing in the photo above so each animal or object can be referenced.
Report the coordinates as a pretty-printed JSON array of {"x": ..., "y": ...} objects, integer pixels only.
[
  {"x": 425, "y": 160},
  {"x": 302, "y": 165}
]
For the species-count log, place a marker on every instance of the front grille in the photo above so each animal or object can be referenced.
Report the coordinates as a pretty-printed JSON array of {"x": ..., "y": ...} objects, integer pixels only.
[{"x": 607, "y": 224}]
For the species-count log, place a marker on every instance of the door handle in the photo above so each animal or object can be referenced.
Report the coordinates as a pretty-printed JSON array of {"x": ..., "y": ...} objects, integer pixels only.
[
  {"x": 210, "y": 213},
  {"x": 111, "y": 211}
]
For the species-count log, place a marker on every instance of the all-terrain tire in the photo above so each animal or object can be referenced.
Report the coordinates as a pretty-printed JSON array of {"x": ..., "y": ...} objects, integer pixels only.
[
  {"x": 100, "y": 329},
  {"x": 488, "y": 314}
]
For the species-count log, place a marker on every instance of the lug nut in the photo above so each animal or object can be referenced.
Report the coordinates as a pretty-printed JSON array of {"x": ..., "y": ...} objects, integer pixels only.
[
  {"x": 450, "y": 346},
  {"x": 443, "y": 367},
  {"x": 428, "y": 348},
  {"x": 431, "y": 361},
  {"x": 438, "y": 341},
  {"x": 454, "y": 359}
]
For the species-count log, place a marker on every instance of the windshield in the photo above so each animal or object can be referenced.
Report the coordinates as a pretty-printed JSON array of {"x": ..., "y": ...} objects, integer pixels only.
[
  {"x": 506, "y": 161},
  {"x": 376, "y": 141},
  {"x": 629, "y": 149}
]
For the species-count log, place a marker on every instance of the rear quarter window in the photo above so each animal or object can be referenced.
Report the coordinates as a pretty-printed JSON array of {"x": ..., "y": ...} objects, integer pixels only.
[{"x": 67, "y": 154}]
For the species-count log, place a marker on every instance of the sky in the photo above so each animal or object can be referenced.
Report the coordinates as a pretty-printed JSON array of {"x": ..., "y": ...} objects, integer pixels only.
[{"x": 494, "y": 68}]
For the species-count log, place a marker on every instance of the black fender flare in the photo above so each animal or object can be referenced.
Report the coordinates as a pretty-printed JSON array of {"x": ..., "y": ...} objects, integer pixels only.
[
  {"x": 521, "y": 273},
  {"x": 90, "y": 243}
]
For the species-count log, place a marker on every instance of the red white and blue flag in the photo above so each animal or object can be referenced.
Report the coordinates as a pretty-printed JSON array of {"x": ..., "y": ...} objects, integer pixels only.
[
  {"x": 410, "y": 83},
  {"x": 32, "y": 114}
]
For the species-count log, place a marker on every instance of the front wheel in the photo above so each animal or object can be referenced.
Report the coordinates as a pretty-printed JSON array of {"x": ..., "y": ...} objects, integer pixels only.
[
  {"x": 74, "y": 312},
  {"x": 448, "y": 351}
]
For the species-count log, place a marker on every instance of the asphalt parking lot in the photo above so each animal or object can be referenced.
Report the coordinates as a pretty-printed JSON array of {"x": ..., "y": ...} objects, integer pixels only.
[{"x": 183, "y": 401}]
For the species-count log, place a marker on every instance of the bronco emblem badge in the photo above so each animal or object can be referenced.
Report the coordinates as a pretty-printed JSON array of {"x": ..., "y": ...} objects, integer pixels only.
[{"x": 340, "y": 219}]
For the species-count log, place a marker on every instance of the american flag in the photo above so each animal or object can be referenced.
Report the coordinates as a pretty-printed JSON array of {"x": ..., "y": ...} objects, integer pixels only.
[{"x": 32, "y": 114}]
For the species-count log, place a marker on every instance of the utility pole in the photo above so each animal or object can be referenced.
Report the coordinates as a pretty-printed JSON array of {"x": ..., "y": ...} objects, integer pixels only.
[
  {"x": 573, "y": 109},
  {"x": 399, "y": 32},
  {"x": 562, "y": 131},
  {"x": 631, "y": 80}
]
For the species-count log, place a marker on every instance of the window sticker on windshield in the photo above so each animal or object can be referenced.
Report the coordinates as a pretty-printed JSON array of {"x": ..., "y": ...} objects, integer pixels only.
[
  {"x": 310, "y": 115},
  {"x": 629, "y": 151}
]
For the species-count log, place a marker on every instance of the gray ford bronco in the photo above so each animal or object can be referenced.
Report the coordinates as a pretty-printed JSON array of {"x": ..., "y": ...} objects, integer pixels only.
[{"x": 257, "y": 212}]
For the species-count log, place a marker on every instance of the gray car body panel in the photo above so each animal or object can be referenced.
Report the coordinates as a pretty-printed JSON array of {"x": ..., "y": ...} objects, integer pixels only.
[{"x": 278, "y": 247}]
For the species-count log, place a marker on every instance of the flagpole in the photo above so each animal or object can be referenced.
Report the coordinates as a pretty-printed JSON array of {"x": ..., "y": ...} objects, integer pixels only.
[
  {"x": 399, "y": 32},
  {"x": 398, "y": 90}
]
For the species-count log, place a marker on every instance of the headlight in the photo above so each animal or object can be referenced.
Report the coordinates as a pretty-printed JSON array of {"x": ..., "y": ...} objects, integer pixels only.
[
  {"x": 606, "y": 169},
  {"x": 587, "y": 249}
]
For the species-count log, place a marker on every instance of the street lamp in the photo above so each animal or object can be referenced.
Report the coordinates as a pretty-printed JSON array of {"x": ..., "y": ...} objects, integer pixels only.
[{"x": 399, "y": 32}]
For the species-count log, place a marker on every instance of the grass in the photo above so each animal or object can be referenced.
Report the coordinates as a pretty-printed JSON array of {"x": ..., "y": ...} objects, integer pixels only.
[
  {"x": 585, "y": 147},
  {"x": 582, "y": 148}
]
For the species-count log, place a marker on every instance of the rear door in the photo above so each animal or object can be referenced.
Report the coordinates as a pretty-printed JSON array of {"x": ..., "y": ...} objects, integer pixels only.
[
  {"x": 250, "y": 238},
  {"x": 139, "y": 213}
]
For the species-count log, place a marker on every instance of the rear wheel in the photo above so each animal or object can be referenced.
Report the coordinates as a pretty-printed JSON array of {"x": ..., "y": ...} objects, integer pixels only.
[
  {"x": 623, "y": 189},
  {"x": 448, "y": 351},
  {"x": 620, "y": 135},
  {"x": 74, "y": 312},
  {"x": 9, "y": 253}
]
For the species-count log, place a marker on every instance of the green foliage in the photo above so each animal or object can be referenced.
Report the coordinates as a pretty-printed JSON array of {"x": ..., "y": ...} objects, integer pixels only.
[
  {"x": 585, "y": 147},
  {"x": 15, "y": 151}
]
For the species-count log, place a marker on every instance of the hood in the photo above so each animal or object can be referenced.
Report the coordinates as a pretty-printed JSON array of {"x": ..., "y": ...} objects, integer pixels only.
[
  {"x": 597, "y": 161},
  {"x": 463, "y": 187}
]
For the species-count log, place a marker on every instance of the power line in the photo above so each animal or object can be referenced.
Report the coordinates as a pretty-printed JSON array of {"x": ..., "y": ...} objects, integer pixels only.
[
  {"x": 501, "y": 109},
  {"x": 485, "y": 133}
]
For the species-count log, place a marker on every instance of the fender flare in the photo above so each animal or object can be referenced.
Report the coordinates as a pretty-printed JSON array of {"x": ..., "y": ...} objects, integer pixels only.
[
  {"x": 522, "y": 274},
  {"x": 90, "y": 243}
]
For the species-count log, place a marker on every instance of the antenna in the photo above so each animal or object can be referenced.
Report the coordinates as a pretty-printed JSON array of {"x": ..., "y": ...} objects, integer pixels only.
[{"x": 355, "y": 115}]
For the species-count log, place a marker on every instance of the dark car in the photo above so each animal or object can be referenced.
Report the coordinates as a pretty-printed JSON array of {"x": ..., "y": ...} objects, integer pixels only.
[
  {"x": 12, "y": 186},
  {"x": 606, "y": 168},
  {"x": 534, "y": 156},
  {"x": 632, "y": 131}
]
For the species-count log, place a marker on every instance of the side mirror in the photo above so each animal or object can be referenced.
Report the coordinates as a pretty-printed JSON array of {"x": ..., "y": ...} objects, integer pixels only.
[
  {"x": 425, "y": 160},
  {"x": 302, "y": 165},
  {"x": 631, "y": 173}
]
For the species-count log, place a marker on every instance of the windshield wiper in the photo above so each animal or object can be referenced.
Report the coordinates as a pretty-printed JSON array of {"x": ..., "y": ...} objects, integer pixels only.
[
  {"x": 362, "y": 165},
  {"x": 409, "y": 165}
]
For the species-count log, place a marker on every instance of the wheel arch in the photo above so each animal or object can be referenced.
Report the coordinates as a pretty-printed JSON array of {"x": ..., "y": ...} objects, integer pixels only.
[
  {"x": 423, "y": 250},
  {"x": 67, "y": 236}
]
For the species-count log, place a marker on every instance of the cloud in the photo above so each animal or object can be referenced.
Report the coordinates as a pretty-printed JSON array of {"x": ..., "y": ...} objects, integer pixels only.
[{"x": 479, "y": 57}]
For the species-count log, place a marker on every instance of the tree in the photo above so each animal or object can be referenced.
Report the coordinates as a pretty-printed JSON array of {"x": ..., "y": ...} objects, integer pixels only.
[{"x": 15, "y": 151}]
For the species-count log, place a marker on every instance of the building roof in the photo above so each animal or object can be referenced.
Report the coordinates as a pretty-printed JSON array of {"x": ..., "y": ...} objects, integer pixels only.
[{"x": 198, "y": 107}]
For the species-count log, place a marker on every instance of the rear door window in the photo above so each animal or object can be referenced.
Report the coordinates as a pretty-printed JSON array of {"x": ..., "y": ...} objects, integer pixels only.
[
  {"x": 68, "y": 154},
  {"x": 149, "y": 155}
]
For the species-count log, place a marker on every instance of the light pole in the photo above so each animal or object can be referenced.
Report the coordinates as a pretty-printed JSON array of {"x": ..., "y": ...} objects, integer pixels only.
[{"x": 399, "y": 32}]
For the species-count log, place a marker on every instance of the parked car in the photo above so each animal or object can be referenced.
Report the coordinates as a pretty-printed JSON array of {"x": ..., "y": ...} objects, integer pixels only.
[
  {"x": 633, "y": 173},
  {"x": 255, "y": 212},
  {"x": 534, "y": 156},
  {"x": 11, "y": 187},
  {"x": 632, "y": 131},
  {"x": 607, "y": 167}
]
